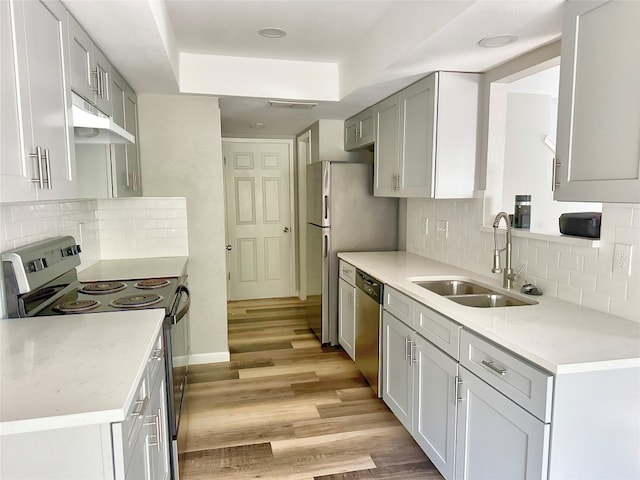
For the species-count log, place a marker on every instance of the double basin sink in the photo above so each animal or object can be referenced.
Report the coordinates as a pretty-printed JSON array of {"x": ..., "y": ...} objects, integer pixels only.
[{"x": 472, "y": 294}]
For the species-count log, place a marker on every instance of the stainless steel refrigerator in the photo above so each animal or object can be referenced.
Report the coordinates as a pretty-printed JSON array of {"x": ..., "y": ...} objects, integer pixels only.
[{"x": 342, "y": 216}]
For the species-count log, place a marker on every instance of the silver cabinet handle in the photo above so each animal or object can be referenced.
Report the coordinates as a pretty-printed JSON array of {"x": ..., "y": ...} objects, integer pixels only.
[
  {"x": 47, "y": 162},
  {"x": 350, "y": 299},
  {"x": 413, "y": 357},
  {"x": 554, "y": 174},
  {"x": 156, "y": 355},
  {"x": 38, "y": 156},
  {"x": 141, "y": 406},
  {"x": 492, "y": 366},
  {"x": 409, "y": 348},
  {"x": 456, "y": 390},
  {"x": 96, "y": 74},
  {"x": 406, "y": 348},
  {"x": 155, "y": 423}
]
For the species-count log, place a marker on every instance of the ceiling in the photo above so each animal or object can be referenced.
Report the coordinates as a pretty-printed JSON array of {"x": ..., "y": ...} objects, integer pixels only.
[{"x": 368, "y": 48}]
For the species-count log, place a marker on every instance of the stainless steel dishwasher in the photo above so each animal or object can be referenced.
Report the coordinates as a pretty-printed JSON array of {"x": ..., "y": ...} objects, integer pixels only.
[{"x": 368, "y": 302}]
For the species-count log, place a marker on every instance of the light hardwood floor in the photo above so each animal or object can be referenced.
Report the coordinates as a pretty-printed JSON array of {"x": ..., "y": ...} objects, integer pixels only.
[{"x": 285, "y": 408}]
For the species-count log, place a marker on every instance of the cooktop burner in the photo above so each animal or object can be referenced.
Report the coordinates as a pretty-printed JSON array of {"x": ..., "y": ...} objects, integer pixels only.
[
  {"x": 102, "y": 287},
  {"x": 134, "y": 301},
  {"x": 77, "y": 306},
  {"x": 152, "y": 283}
]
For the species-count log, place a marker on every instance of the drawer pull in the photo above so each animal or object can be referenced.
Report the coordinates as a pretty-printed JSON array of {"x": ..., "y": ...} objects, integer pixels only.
[
  {"x": 156, "y": 355},
  {"x": 492, "y": 366},
  {"x": 141, "y": 406},
  {"x": 456, "y": 390}
]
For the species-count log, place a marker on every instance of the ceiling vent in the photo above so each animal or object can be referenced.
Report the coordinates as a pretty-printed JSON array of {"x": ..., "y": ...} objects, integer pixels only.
[{"x": 292, "y": 105}]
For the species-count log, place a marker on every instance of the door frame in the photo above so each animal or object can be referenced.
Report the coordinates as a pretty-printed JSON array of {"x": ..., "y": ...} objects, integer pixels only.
[{"x": 293, "y": 253}]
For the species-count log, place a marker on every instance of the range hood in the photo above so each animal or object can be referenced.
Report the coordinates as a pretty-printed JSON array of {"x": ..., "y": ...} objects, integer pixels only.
[{"x": 90, "y": 125}]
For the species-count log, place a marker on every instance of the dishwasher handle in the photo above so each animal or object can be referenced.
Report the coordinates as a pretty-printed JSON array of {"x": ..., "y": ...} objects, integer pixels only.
[{"x": 369, "y": 285}]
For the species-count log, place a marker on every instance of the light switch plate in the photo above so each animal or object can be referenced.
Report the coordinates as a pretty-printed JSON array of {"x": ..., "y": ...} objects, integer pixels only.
[
  {"x": 622, "y": 258},
  {"x": 442, "y": 228}
]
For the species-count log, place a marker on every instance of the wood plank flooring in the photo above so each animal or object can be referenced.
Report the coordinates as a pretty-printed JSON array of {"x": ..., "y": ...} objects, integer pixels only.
[{"x": 285, "y": 408}]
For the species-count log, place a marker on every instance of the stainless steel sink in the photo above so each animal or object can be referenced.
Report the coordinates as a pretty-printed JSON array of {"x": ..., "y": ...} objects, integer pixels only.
[
  {"x": 471, "y": 294},
  {"x": 489, "y": 300},
  {"x": 452, "y": 287}
]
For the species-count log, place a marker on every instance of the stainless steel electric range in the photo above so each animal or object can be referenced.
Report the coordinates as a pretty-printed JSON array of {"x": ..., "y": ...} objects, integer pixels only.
[{"x": 41, "y": 280}]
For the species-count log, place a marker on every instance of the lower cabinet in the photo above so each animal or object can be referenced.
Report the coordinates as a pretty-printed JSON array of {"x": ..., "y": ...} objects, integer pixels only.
[
  {"x": 470, "y": 425},
  {"x": 397, "y": 377},
  {"x": 419, "y": 384},
  {"x": 347, "y": 317},
  {"x": 135, "y": 449},
  {"x": 436, "y": 382},
  {"x": 496, "y": 437}
]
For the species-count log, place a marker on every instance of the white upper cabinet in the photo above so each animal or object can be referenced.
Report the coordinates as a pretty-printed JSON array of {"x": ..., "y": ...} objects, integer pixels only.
[
  {"x": 598, "y": 146},
  {"x": 426, "y": 138},
  {"x": 359, "y": 130},
  {"x": 90, "y": 71},
  {"x": 38, "y": 163}
]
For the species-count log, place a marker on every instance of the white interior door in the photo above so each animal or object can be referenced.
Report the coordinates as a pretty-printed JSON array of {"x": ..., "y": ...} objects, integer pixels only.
[{"x": 259, "y": 226}]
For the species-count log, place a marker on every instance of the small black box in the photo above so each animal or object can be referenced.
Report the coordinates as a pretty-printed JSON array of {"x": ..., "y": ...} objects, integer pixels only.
[{"x": 581, "y": 224}]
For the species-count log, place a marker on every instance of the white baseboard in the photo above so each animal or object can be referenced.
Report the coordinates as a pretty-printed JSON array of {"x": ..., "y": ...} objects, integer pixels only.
[{"x": 213, "y": 357}]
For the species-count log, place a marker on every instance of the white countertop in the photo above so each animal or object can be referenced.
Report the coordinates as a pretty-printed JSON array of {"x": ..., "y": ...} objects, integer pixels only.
[
  {"x": 559, "y": 336},
  {"x": 70, "y": 370},
  {"x": 135, "y": 268}
]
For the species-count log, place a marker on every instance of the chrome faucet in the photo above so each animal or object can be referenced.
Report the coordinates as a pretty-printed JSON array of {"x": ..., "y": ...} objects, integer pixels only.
[{"x": 508, "y": 277}]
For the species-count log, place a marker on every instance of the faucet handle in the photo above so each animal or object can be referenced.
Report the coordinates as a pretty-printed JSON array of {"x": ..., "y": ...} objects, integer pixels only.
[{"x": 514, "y": 275}]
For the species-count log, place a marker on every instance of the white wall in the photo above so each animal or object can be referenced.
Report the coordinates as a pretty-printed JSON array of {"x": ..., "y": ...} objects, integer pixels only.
[
  {"x": 576, "y": 274},
  {"x": 181, "y": 155}
]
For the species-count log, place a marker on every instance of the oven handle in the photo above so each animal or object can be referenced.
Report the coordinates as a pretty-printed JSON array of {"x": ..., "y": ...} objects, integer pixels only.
[{"x": 177, "y": 316}]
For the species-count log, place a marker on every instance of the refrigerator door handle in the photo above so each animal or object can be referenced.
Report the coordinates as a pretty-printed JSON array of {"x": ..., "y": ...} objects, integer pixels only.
[
  {"x": 325, "y": 252},
  {"x": 325, "y": 206}
]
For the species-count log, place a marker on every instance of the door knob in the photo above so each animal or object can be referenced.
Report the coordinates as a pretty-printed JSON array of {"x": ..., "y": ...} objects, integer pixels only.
[
  {"x": 228, "y": 247},
  {"x": 285, "y": 229}
]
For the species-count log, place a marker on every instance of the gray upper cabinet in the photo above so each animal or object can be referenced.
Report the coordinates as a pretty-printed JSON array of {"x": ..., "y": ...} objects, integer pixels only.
[
  {"x": 90, "y": 71},
  {"x": 40, "y": 163},
  {"x": 359, "y": 130},
  {"x": 426, "y": 138},
  {"x": 598, "y": 144}
]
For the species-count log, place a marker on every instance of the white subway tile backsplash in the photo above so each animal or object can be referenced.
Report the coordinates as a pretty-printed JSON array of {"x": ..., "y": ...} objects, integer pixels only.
[
  {"x": 569, "y": 294},
  {"x": 577, "y": 273}
]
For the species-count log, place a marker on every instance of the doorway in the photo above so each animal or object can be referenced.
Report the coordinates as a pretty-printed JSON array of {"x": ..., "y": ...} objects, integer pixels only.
[{"x": 259, "y": 222}]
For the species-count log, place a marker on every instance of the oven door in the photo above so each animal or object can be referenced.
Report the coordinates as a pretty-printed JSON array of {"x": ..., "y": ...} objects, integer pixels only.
[{"x": 178, "y": 350}]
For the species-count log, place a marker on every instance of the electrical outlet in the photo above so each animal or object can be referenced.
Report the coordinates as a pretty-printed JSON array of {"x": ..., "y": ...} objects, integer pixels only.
[
  {"x": 442, "y": 228},
  {"x": 425, "y": 226},
  {"x": 622, "y": 259}
]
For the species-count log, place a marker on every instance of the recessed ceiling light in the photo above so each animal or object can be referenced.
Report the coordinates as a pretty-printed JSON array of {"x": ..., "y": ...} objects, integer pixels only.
[
  {"x": 272, "y": 32},
  {"x": 493, "y": 41},
  {"x": 257, "y": 125}
]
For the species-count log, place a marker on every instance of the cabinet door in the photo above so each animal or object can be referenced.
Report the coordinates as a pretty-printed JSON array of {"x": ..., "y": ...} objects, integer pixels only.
[
  {"x": 102, "y": 73},
  {"x": 397, "y": 377},
  {"x": 39, "y": 37},
  {"x": 118, "y": 94},
  {"x": 80, "y": 61},
  {"x": 350, "y": 133},
  {"x": 347, "y": 318},
  {"x": 157, "y": 434},
  {"x": 16, "y": 168},
  {"x": 496, "y": 439},
  {"x": 133, "y": 158},
  {"x": 387, "y": 151},
  {"x": 598, "y": 154},
  {"x": 366, "y": 131},
  {"x": 435, "y": 407},
  {"x": 417, "y": 126}
]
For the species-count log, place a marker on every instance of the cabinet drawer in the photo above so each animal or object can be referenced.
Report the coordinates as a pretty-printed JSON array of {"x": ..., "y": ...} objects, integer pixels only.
[
  {"x": 528, "y": 386},
  {"x": 156, "y": 360},
  {"x": 438, "y": 329},
  {"x": 399, "y": 305},
  {"x": 348, "y": 272}
]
